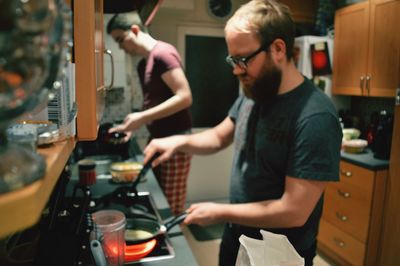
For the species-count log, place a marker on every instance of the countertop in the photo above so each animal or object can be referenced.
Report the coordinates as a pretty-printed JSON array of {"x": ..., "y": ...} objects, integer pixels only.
[
  {"x": 365, "y": 159},
  {"x": 183, "y": 253}
]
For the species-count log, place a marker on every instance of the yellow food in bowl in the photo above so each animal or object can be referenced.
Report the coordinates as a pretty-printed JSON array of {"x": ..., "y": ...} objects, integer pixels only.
[
  {"x": 354, "y": 145},
  {"x": 125, "y": 171}
]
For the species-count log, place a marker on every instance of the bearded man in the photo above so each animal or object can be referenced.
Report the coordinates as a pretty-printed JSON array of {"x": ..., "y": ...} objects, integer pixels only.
[{"x": 286, "y": 137}]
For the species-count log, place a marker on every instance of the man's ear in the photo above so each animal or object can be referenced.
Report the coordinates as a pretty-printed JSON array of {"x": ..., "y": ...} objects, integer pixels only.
[
  {"x": 278, "y": 48},
  {"x": 135, "y": 29}
]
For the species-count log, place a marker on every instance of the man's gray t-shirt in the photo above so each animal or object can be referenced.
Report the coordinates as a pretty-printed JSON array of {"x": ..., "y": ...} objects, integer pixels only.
[{"x": 297, "y": 135}]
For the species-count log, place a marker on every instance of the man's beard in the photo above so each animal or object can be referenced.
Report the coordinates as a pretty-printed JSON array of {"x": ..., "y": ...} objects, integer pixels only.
[{"x": 266, "y": 87}]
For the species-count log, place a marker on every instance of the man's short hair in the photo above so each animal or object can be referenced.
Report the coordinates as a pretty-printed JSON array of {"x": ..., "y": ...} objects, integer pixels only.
[
  {"x": 269, "y": 19},
  {"x": 124, "y": 21}
]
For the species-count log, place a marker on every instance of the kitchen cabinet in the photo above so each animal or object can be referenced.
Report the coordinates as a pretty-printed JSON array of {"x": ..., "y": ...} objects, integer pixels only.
[
  {"x": 367, "y": 49},
  {"x": 89, "y": 64},
  {"x": 302, "y": 11},
  {"x": 22, "y": 208},
  {"x": 351, "y": 221}
]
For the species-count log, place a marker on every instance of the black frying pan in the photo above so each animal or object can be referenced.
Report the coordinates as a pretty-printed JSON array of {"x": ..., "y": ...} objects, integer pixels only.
[
  {"x": 141, "y": 230},
  {"x": 125, "y": 195}
]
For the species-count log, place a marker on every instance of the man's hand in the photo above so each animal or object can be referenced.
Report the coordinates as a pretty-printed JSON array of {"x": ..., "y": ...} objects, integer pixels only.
[
  {"x": 205, "y": 213},
  {"x": 166, "y": 147},
  {"x": 132, "y": 122}
]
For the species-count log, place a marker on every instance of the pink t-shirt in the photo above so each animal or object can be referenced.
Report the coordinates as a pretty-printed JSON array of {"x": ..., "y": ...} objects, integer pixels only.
[{"x": 162, "y": 58}]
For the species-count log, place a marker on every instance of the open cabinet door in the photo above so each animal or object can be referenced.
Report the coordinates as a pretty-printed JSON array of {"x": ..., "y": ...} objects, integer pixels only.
[{"x": 390, "y": 241}]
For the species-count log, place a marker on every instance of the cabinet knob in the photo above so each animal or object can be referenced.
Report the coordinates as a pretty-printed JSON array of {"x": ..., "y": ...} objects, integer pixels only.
[
  {"x": 339, "y": 242},
  {"x": 346, "y": 173},
  {"x": 343, "y": 193},
  {"x": 341, "y": 217}
]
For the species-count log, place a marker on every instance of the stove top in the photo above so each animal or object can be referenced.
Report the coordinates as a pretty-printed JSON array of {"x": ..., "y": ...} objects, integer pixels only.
[{"x": 134, "y": 205}]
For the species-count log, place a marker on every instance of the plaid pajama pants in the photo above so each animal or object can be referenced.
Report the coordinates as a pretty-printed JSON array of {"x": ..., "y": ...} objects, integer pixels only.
[{"x": 172, "y": 176}]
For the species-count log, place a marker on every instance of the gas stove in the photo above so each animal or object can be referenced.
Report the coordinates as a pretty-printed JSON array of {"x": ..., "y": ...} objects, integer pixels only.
[{"x": 134, "y": 205}]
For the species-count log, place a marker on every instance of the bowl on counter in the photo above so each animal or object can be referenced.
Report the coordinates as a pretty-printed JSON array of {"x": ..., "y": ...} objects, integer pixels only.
[
  {"x": 350, "y": 133},
  {"x": 354, "y": 145},
  {"x": 125, "y": 172}
]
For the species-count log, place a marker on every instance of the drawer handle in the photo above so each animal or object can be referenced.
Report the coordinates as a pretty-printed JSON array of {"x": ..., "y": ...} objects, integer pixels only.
[
  {"x": 339, "y": 242},
  {"x": 341, "y": 217},
  {"x": 346, "y": 173},
  {"x": 343, "y": 194}
]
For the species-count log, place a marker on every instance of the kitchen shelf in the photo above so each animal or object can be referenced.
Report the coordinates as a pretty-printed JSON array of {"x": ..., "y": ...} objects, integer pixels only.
[{"x": 22, "y": 208}]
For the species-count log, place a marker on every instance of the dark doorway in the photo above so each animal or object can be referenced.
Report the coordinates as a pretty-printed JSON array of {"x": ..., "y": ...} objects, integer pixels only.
[{"x": 214, "y": 87}]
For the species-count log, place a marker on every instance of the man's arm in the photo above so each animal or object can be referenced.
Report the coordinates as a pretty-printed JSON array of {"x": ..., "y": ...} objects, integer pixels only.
[
  {"x": 182, "y": 98},
  {"x": 291, "y": 210},
  {"x": 177, "y": 82},
  {"x": 206, "y": 142}
]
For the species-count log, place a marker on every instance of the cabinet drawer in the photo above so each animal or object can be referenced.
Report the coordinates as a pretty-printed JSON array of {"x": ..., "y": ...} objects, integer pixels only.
[
  {"x": 349, "y": 208},
  {"x": 357, "y": 176},
  {"x": 344, "y": 245}
]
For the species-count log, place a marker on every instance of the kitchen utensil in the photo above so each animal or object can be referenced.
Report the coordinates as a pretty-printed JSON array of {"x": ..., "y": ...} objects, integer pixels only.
[
  {"x": 141, "y": 230},
  {"x": 125, "y": 195},
  {"x": 98, "y": 253},
  {"x": 143, "y": 172},
  {"x": 109, "y": 229}
]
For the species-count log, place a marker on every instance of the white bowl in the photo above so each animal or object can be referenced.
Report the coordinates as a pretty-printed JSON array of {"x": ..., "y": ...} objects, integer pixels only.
[
  {"x": 351, "y": 133},
  {"x": 354, "y": 145}
]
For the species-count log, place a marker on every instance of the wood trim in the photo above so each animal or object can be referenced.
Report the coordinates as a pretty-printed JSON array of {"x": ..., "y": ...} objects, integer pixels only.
[
  {"x": 375, "y": 228},
  {"x": 22, "y": 208},
  {"x": 390, "y": 241}
]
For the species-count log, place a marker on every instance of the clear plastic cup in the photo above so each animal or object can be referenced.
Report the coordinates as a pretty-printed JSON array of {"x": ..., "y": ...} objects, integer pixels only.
[{"x": 109, "y": 229}]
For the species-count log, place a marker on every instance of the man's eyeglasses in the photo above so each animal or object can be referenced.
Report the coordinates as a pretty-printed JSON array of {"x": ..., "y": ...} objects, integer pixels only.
[{"x": 242, "y": 61}]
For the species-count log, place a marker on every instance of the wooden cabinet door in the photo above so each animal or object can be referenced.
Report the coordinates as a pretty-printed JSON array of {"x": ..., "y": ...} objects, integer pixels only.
[
  {"x": 89, "y": 48},
  {"x": 384, "y": 48},
  {"x": 350, "y": 49}
]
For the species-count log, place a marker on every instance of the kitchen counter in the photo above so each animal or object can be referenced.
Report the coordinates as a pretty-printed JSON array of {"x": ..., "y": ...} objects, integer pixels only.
[
  {"x": 23, "y": 207},
  {"x": 365, "y": 159},
  {"x": 183, "y": 253}
]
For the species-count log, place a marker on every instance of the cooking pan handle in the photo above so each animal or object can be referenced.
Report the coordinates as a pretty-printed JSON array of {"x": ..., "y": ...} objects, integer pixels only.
[
  {"x": 143, "y": 172},
  {"x": 176, "y": 220},
  {"x": 98, "y": 254}
]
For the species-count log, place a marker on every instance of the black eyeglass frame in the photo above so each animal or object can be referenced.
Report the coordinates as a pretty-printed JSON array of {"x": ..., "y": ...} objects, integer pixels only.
[{"x": 234, "y": 61}]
